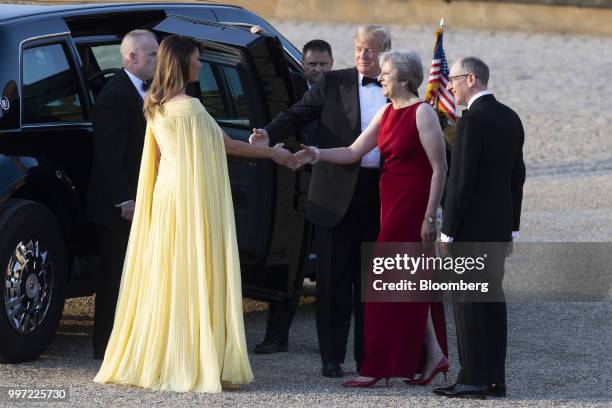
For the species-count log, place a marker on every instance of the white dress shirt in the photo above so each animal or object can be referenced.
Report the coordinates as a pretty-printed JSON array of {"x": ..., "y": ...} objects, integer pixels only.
[
  {"x": 444, "y": 237},
  {"x": 137, "y": 83},
  {"x": 478, "y": 95},
  {"x": 370, "y": 101}
]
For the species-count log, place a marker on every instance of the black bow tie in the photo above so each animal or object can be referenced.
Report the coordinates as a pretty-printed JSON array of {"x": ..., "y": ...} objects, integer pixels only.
[
  {"x": 146, "y": 84},
  {"x": 365, "y": 80}
]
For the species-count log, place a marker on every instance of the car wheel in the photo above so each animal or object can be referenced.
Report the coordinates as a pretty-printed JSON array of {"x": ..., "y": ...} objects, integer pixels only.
[{"x": 33, "y": 273}]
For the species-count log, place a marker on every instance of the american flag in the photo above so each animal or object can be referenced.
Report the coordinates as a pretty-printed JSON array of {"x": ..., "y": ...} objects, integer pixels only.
[{"x": 436, "y": 94}]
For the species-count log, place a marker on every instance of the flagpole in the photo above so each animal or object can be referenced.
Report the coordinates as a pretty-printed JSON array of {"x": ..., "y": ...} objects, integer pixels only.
[{"x": 441, "y": 31}]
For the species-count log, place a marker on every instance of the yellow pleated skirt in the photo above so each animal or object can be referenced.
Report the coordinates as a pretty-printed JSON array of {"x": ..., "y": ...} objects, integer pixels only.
[
  {"x": 144, "y": 363},
  {"x": 178, "y": 323}
]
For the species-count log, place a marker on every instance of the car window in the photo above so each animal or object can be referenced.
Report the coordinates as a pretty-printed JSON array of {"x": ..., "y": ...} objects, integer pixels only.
[
  {"x": 223, "y": 94},
  {"x": 50, "y": 86},
  {"x": 211, "y": 95},
  {"x": 237, "y": 93},
  {"x": 107, "y": 56}
]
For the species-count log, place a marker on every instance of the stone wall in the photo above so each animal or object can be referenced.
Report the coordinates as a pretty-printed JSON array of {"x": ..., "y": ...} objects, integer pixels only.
[
  {"x": 575, "y": 3},
  {"x": 521, "y": 15},
  {"x": 557, "y": 16}
]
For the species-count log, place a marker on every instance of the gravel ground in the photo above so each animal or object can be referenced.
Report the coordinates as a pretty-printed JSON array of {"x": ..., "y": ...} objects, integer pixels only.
[{"x": 558, "y": 353}]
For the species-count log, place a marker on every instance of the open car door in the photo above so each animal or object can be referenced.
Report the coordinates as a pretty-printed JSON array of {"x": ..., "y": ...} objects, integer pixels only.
[{"x": 244, "y": 83}]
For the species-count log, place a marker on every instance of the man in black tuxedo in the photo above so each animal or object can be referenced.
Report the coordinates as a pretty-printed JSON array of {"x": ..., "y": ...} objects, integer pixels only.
[
  {"x": 483, "y": 205},
  {"x": 316, "y": 59},
  {"x": 343, "y": 200},
  {"x": 119, "y": 128}
]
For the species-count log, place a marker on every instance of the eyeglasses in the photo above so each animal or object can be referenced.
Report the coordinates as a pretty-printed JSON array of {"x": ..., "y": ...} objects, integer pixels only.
[{"x": 453, "y": 78}]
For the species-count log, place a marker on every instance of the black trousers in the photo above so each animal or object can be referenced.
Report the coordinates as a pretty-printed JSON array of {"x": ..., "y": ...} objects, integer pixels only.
[
  {"x": 338, "y": 270},
  {"x": 280, "y": 318},
  {"x": 482, "y": 330},
  {"x": 282, "y": 313},
  {"x": 112, "y": 245}
]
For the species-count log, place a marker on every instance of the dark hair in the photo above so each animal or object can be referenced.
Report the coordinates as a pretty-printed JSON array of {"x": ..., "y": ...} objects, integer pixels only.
[
  {"x": 317, "y": 45},
  {"x": 473, "y": 65},
  {"x": 171, "y": 72}
]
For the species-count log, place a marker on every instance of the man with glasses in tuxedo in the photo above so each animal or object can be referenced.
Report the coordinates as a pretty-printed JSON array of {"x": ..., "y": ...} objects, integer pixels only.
[{"x": 483, "y": 205}]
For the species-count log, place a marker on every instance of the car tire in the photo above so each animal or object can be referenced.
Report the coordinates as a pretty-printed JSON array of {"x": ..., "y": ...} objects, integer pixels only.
[{"x": 33, "y": 278}]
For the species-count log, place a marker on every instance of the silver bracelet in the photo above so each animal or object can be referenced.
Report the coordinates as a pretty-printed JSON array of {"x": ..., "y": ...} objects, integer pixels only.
[{"x": 317, "y": 153}]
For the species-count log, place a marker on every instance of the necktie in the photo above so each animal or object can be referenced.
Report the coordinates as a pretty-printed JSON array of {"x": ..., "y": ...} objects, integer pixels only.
[
  {"x": 365, "y": 80},
  {"x": 146, "y": 84}
]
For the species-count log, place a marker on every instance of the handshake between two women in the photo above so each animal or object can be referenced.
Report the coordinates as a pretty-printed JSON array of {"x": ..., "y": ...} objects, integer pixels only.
[{"x": 307, "y": 154}]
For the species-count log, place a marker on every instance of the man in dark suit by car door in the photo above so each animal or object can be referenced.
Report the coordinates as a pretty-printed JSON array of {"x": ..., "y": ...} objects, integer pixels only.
[
  {"x": 119, "y": 128},
  {"x": 343, "y": 200},
  {"x": 316, "y": 58},
  {"x": 483, "y": 205}
]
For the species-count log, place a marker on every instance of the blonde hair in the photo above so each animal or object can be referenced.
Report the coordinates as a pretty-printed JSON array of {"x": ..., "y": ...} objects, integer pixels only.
[
  {"x": 171, "y": 72},
  {"x": 367, "y": 32}
]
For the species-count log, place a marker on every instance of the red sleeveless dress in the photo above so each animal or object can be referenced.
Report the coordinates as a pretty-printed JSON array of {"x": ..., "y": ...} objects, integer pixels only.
[{"x": 394, "y": 331}]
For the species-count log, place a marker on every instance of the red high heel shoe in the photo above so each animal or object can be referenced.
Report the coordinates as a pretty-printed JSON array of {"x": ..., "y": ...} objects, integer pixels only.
[
  {"x": 441, "y": 367},
  {"x": 364, "y": 384}
]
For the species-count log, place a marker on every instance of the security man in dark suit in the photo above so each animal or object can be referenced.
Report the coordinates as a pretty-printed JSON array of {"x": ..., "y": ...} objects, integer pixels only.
[
  {"x": 316, "y": 58},
  {"x": 483, "y": 206},
  {"x": 343, "y": 200},
  {"x": 119, "y": 128}
]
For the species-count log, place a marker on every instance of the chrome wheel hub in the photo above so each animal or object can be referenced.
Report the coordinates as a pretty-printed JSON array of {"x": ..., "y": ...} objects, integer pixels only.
[{"x": 28, "y": 285}]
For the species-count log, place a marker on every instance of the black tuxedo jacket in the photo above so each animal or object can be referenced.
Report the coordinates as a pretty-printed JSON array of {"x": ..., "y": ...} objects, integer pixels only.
[
  {"x": 299, "y": 84},
  {"x": 485, "y": 188},
  {"x": 334, "y": 100},
  {"x": 118, "y": 136}
]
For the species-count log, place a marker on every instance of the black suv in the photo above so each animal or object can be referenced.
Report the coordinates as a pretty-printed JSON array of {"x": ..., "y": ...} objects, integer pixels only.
[{"x": 55, "y": 60}]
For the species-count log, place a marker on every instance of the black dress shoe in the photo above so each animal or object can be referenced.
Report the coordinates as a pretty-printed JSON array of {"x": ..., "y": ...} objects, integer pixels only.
[
  {"x": 270, "y": 347},
  {"x": 450, "y": 387},
  {"x": 463, "y": 391},
  {"x": 497, "y": 390},
  {"x": 332, "y": 370}
]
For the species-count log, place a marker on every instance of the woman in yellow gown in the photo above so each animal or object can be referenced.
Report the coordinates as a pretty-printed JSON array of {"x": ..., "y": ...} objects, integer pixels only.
[{"x": 178, "y": 322}]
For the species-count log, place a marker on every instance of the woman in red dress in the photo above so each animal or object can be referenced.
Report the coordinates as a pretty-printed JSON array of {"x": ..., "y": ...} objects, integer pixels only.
[{"x": 401, "y": 338}]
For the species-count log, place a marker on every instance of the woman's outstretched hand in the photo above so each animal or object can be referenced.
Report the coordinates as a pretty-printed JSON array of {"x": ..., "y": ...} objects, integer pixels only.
[
  {"x": 305, "y": 156},
  {"x": 284, "y": 157}
]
